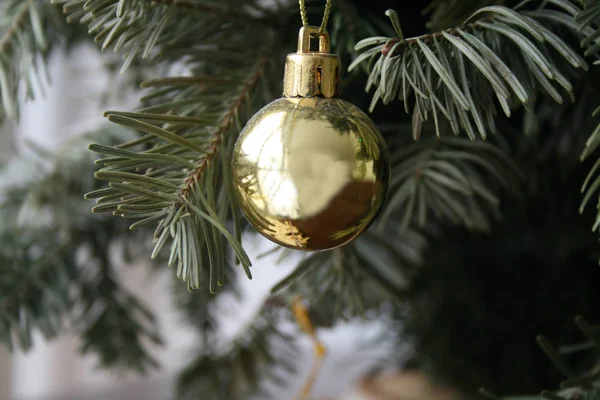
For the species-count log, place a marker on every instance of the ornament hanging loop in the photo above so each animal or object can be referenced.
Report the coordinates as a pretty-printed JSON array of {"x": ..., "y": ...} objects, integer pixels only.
[{"x": 308, "y": 32}]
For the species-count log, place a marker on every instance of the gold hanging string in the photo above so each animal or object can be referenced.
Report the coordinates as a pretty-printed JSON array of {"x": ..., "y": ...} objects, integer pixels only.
[
  {"x": 301, "y": 315},
  {"x": 325, "y": 15}
]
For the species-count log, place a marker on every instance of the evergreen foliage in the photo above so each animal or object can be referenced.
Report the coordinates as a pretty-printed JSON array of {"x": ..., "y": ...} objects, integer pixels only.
[
  {"x": 29, "y": 30},
  {"x": 485, "y": 233},
  {"x": 58, "y": 260}
]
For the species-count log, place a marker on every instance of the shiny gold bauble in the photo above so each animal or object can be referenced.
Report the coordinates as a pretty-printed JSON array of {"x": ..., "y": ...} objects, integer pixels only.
[
  {"x": 310, "y": 173},
  {"x": 310, "y": 170}
]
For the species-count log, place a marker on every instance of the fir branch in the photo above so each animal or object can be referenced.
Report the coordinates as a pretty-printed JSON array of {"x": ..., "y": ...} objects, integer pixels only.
[
  {"x": 347, "y": 282},
  {"x": 216, "y": 372},
  {"x": 198, "y": 308},
  {"x": 106, "y": 306},
  {"x": 16, "y": 25},
  {"x": 28, "y": 30},
  {"x": 238, "y": 369},
  {"x": 228, "y": 121},
  {"x": 589, "y": 18},
  {"x": 584, "y": 386},
  {"x": 189, "y": 5},
  {"x": 45, "y": 282},
  {"x": 448, "y": 178},
  {"x": 192, "y": 120},
  {"x": 592, "y": 182},
  {"x": 348, "y": 25},
  {"x": 157, "y": 29},
  {"x": 35, "y": 279},
  {"x": 557, "y": 132},
  {"x": 457, "y": 73},
  {"x": 446, "y": 14}
]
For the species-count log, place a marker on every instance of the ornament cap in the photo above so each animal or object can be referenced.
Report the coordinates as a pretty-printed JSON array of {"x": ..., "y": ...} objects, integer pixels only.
[{"x": 312, "y": 73}]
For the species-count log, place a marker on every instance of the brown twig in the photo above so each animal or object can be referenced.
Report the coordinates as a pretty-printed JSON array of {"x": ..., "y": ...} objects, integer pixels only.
[
  {"x": 226, "y": 124},
  {"x": 428, "y": 37},
  {"x": 17, "y": 23}
]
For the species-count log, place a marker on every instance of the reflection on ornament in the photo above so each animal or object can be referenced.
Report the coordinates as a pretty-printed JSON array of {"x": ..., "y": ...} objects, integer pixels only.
[{"x": 310, "y": 172}]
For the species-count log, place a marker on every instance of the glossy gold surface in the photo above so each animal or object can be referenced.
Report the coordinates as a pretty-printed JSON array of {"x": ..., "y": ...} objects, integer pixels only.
[{"x": 310, "y": 173}]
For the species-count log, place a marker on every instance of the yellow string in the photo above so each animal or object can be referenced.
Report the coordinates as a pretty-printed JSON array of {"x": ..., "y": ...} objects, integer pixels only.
[
  {"x": 325, "y": 15},
  {"x": 303, "y": 320}
]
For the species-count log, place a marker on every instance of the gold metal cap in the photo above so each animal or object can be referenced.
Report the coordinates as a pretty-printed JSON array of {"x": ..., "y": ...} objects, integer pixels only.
[{"x": 312, "y": 73}]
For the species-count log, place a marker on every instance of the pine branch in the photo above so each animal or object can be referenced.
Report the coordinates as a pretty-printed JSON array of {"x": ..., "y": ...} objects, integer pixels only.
[
  {"x": 35, "y": 279},
  {"x": 108, "y": 307},
  {"x": 189, "y": 5},
  {"x": 181, "y": 179},
  {"x": 237, "y": 370},
  {"x": 16, "y": 25},
  {"x": 28, "y": 31},
  {"x": 448, "y": 179},
  {"x": 557, "y": 133},
  {"x": 585, "y": 386},
  {"x": 499, "y": 53},
  {"x": 348, "y": 24},
  {"x": 592, "y": 182},
  {"x": 228, "y": 121},
  {"x": 347, "y": 282},
  {"x": 44, "y": 281},
  {"x": 589, "y": 18},
  {"x": 198, "y": 307},
  {"x": 159, "y": 29},
  {"x": 446, "y": 14}
]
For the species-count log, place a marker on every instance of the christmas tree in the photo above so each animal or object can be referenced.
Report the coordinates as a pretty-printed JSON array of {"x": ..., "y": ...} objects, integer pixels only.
[{"x": 484, "y": 254}]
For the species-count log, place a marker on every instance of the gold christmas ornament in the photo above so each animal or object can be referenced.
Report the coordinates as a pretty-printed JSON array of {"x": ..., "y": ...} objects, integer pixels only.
[{"x": 310, "y": 170}]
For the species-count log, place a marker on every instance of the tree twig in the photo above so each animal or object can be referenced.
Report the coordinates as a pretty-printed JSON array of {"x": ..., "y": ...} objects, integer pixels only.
[
  {"x": 428, "y": 37},
  {"x": 17, "y": 23},
  {"x": 228, "y": 121}
]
